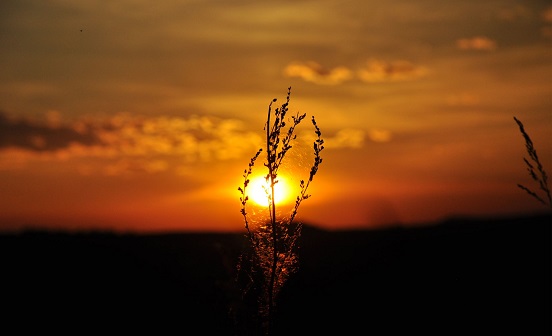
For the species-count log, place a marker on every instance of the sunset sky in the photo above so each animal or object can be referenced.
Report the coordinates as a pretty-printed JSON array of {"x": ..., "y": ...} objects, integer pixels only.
[{"x": 137, "y": 116}]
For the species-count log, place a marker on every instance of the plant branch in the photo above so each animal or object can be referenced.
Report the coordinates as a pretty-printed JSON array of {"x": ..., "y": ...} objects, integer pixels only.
[{"x": 539, "y": 174}]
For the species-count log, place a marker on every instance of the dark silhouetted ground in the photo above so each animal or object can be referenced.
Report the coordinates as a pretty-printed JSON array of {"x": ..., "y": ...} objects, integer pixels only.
[{"x": 461, "y": 277}]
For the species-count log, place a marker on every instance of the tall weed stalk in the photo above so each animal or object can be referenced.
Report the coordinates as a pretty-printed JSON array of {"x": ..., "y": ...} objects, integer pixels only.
[
  {"x": 272, "y": 254},
  {"x": 538, "y": 174}
]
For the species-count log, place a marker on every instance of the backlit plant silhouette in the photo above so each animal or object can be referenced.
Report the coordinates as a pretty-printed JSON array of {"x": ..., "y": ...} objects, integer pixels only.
[
  {"x": 538, "y": 174},
  {"x": 273, "y": 255}
]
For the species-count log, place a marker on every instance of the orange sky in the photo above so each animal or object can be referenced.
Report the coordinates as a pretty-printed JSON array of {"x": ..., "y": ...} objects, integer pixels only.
[{"x": 130, "y": 117}]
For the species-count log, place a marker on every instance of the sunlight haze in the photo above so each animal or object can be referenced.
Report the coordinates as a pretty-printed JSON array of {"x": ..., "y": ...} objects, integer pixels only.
[{"x": 130, "y": 117}]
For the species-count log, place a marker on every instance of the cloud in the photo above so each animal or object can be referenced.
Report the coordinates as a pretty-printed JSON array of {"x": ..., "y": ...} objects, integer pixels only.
[
  {"x": 381, "y": 71},
  {"x": 35, "y": 136},
  {"x": 195, "y": 138},
  {"x": 131, "y": 143},
  {"x": 346, "y": 138},
  {"x": 315, "y": 73},
  {"x": 476, "y": 43},
  {"x": 379, "y": 135},
  {"x": 343, "y": 138}
]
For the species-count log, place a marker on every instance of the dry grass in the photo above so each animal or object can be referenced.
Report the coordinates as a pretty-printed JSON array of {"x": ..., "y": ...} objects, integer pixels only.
[
  {"x": 538, "y": 174},
  {"x": 272, "y": 255}
]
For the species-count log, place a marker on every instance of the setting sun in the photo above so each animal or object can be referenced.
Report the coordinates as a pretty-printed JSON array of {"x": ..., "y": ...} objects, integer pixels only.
[
  {"x": 258, "y": 187},
  {"x": 131, "y": 140}
]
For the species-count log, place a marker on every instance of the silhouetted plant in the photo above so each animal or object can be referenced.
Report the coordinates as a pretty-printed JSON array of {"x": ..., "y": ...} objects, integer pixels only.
[
  {"x": 539, "y": 174},
  {"x": 272, "y": 256}
]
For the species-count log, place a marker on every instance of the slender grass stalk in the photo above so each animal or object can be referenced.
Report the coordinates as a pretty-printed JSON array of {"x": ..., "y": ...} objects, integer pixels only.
[
  {"x": 539, "y": 174},
  {"x": 273, "y": 245}
]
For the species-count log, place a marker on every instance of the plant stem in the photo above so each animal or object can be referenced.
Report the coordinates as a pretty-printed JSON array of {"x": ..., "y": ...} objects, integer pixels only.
[
  {"x": 273, "y": 243},
  {"x": 272, "y": 212}
]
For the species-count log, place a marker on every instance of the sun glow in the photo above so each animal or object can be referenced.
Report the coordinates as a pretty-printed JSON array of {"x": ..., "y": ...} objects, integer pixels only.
[{"x": 258, "y": 188}]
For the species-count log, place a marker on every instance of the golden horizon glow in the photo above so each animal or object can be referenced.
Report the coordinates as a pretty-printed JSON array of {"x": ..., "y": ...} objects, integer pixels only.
[
  {"x": 417, "y": 122},
  {"x": 259, "y": 189}
]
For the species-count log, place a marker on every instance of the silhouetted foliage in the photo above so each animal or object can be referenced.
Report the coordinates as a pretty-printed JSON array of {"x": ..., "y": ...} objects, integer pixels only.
[
  {"x": 272, "y": 257},
  {"x": 539, "y": 174}
]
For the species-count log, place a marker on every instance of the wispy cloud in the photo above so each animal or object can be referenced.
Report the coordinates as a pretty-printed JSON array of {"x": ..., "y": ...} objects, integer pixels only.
[
  {"x": 380, "y": 135},
  {"x": 374, "y": 71},
  {"x": 382, "y": 71},
  {"x": 315, "y": 73},
  {"x": 476, "y": 43},
  {"x": 126, "y": 143},
  {"x": 46, "y": 136},
  {"x": 346, "y": 138},
  {"x": 338, "y": 139},
  {"x": 195, "y": 138}
]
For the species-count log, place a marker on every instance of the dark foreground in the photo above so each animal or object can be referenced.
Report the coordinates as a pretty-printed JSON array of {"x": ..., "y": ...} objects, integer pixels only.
[{"x": 464, "y": 277}]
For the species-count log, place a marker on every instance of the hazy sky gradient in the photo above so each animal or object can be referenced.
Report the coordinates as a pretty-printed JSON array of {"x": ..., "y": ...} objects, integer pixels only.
[{"x": 136, "y": 116}]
